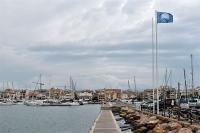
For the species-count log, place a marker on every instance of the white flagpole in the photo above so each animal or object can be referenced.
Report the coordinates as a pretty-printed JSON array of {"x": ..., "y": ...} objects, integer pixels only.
[
  {"x": 153, "y": 67},
  {"x": 157, "y": 74}
]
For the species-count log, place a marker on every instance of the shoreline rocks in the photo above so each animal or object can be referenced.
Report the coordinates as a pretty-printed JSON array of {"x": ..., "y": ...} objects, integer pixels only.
[{"x": 144, "y": 123}]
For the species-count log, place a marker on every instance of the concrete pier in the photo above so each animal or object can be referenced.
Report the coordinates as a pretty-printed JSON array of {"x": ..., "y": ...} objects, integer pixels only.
[{"x": 105, "y": 122}]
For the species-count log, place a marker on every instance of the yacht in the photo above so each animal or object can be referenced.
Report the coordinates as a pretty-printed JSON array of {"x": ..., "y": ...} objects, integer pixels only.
[
  {"x": 6, "y": 102},
  {"x": 74, "y": 103},
  {"x": 193, "y": 102},
  {"x": 31, "y": 102}
]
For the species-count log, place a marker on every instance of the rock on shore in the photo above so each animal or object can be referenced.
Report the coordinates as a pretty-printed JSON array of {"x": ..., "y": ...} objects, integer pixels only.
[{"x": 151, "y": 124}]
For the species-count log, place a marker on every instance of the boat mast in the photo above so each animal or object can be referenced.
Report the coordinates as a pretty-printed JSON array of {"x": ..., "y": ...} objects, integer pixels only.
[
  {"x": 70, "y": 83},
  {"x": 40, "y": 81},
  {"x": 166, "y": 81},
  {"x": 185, "y": 83},
  {"x": 171, "y": 79},
  {"x": 179, "y": 92},
  {"x": 8, "y": 85},
  {"x": 135, "y": 87},
  {"x": 192, "y": 74},
  {"x": 12, "y": 85},
  {"x": 129, "y": 87},
  {"x": 3, "y": 91}
]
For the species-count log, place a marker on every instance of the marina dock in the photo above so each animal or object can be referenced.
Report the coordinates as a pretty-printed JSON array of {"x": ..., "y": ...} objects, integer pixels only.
[{"x": 105, "y": 122}]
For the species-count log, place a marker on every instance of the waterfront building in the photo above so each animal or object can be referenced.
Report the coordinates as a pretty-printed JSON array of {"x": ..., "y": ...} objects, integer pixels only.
[
  {"x": 57, "y": 93},
  {"x": 128, "y": 94},
  {"x": 163, "y": 92},
  {"x": 1, "y": 94},
  {"x": 109, "y": 94},
  {"x": 189, "y": 93},
  {"x": 14, "y": 94},
  {"x": 168, "y": 92},
  {"x": 9, "y": 94},
  {"x": 85, "y": 95},
  {"x": 148, "y": 94},
  {"x": 112, "y": 94},
  {"x": 19, "y": 94},
  {"x": 197, "y": 91},
  {"x": 68, "y": 95},
  {"x": 100, "y": 95},
  {"x": 31, "y": 95}
]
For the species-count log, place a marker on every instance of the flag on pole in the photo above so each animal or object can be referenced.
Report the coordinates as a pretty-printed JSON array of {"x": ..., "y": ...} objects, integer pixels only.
[{"x": 164, "y": 17}]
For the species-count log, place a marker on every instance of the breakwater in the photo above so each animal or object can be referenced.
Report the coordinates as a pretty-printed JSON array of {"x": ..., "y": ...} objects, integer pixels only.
[{"x": 145, "y": 122}]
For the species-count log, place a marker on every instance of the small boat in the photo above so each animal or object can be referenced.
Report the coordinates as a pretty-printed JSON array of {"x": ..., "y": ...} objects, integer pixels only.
[
  {"x": 82, "y": 102},
  {"x": 40, "y": 102},
  {"x": 193, "y": 102},
  {"x": 184, "y": 103},
  {"x": 19, "y": 102},
  {"x": 31, "y": 102},
  {"x": 6, "y": 102},
  {"x": 73, "y": 103}
]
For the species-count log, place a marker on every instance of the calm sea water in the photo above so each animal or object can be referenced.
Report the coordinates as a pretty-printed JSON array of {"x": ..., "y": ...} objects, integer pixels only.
[{"x": 24, "y": 119}]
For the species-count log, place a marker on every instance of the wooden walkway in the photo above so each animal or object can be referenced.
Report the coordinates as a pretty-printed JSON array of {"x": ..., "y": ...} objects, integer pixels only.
[{"x": 105, "y": 122}]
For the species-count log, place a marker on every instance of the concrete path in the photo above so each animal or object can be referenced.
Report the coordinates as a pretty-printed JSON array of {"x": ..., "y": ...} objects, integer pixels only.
[{"x": 105, "y": 123}]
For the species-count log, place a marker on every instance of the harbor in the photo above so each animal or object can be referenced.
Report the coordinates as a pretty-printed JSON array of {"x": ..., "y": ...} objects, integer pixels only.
[{"x": 119, "y": 111}]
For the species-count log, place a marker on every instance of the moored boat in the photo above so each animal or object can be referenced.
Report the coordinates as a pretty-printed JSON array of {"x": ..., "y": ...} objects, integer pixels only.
[
  {"x": 6, "y": 102},
  {"x": 30, "y": 102}
]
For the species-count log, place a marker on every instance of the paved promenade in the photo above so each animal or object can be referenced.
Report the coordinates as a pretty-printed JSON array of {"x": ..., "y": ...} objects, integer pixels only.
[{"x": 105, "y": 123}]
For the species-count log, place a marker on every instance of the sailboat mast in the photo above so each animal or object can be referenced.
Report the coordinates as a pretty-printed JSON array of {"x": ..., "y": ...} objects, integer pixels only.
[
  {"x": 165, "y": 88},
  {"x": 3, "y": 91},
  {"x": 3, "y": 86},
  {"x": 135, "y": 86},
  {"x": 70, "y": 83},
  {"x": 40, "y": 81},
  {"x": 192, "y": 74},
  {"x": 129, "y": 87},
  {"x": 179, "y": 92},
  {"x": 185, "y": 83},
  {"x": 12, "y": 85},
  {"x": 8, "y": 85},
  {"x": 171, "y": 79}
]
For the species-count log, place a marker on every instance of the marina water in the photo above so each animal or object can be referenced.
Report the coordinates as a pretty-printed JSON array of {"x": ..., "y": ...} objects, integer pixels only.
[{"x": 68, "y": 119}]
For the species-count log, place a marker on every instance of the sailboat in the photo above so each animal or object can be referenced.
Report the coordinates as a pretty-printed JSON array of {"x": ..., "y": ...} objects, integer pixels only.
[
  {"x": 34, "y": 102},
  {"x": 6, "y": 101},
  {"x": 72, "y": 102},
  {"x": 30, "y": 102}
]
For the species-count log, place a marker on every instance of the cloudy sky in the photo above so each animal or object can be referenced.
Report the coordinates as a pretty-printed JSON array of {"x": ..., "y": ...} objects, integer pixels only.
[{"x": 100, "y": 43}]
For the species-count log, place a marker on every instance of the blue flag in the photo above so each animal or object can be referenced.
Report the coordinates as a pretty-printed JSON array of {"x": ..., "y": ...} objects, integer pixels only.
[{"x": 164, "y": 17}]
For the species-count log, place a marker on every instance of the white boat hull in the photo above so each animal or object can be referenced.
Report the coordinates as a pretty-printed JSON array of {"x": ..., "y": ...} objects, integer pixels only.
[{"x": 6, "y": 104}]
